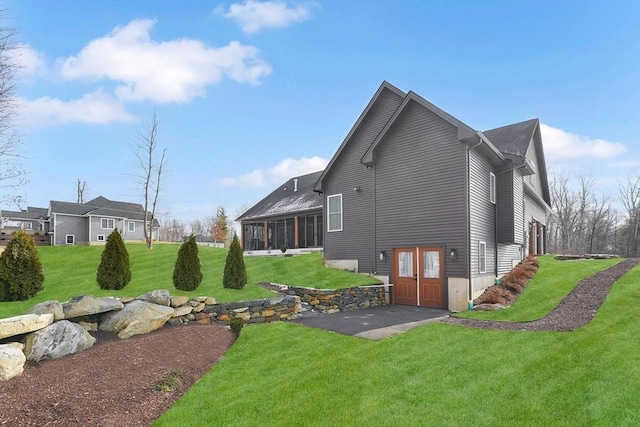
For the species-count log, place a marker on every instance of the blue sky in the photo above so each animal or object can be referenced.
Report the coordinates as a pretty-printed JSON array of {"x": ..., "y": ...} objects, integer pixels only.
[{"x": 251, "y": 93}]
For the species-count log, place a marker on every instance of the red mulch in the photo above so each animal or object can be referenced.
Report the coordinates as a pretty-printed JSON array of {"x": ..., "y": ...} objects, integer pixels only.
[{"x": 112, "y": 383}]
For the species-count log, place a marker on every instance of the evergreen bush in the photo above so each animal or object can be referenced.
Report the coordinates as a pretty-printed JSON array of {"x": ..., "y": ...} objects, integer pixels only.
[
  {"x": 114, "y": 271},
  {"x": 235, "y": 273},
  {"x": 21, "y": 275},
  {"x": 236, "y": 324},
  {"x": 187, "y": 273}
]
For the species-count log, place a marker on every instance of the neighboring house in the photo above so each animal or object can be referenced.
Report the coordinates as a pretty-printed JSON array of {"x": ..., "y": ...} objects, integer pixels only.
[
  {"x": 433, "y": 206},
  {"x": 291, "y": 216},
  {"x": 92, "y": 222},
  {"x": 33, "y": 219}
]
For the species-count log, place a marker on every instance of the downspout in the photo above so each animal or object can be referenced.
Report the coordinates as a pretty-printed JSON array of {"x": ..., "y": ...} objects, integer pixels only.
[
  {"x": 375, "y": 236},
  {"x": 468, "y": 233}
]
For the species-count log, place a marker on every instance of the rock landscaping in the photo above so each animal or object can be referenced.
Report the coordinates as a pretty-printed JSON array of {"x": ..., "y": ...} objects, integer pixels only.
[
  {"x": 335, "y": 300},
  {"x": 52, "y": 330}
]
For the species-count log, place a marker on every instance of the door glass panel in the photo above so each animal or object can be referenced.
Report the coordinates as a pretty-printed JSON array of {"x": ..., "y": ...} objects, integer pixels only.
[
  {"x": 431, "y": 264},
  {"x": 405, "y": 264}
]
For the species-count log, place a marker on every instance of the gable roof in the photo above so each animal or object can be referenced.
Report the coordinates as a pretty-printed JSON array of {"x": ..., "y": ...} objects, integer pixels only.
[
  {"x": 513, "y": 139},
  {"x": 293, "y": 196},
  {"x": 464, "y": 131},
  {"x": 385, "y": 86}
]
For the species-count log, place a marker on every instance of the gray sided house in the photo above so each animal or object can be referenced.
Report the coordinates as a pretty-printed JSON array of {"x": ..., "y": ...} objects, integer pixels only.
[
  {"x": 30, "y": 219},
  {"x": 92, "y": 222},
  {"x": 291, "y": 216},
  {"x": 431, "y": 205}
]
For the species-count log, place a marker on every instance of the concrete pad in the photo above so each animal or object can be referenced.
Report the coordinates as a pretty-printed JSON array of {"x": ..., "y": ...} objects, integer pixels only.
[{"x": 374, "y": 323}]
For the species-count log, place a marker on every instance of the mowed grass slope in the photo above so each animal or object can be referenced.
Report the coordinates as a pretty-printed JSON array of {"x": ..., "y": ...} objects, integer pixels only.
[
  {"x": 289, "y": 375},
  {"x": 71, "y": 270}
]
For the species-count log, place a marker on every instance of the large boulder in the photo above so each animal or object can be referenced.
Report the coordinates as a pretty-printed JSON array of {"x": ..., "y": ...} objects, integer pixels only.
[
  {"x": 87, "y": 304},
  {"x": 137, "y": 317},
  {"x": 57, "y": 340},
  {"x": 160, "y": 297},
  {"x": 24, "y": 324},
  {"x": 12, "y": 361},
  {"x": 52, "y": 306}
]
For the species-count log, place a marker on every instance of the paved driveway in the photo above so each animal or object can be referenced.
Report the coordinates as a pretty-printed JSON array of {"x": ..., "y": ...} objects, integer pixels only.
[{"x": 373, "y": 323}]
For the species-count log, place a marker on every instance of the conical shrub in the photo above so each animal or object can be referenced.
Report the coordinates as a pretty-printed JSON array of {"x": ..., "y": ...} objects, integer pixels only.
[
  {"x": 114, "y": 271},
  {"x": 21, "y": 275},
  {"x": 187, "y": 273},
  {"x": 235, "y": 273}
]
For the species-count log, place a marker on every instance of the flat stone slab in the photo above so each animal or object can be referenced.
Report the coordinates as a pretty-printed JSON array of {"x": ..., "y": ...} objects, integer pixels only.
[
  {"x": 87, "y": 304},
  {"x": 24, "y": 324}
]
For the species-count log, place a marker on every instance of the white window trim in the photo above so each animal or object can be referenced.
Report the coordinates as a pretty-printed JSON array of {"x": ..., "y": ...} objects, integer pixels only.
[
  {"x": 341, "y": 213},
  {"x": 100, "y": 238},
  {"x": 129, "y": 224},
  {"x": 482, "y": 257},
  {"x": 492, "y": 188},
  {"x": 73, "y": 239},
  {"x": 107, "y": 219}
]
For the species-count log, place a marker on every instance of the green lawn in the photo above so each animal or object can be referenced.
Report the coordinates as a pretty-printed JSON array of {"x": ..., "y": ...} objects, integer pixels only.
[
  {"x": 71, "y": 271},
  {"x": 285, "y": 374}
]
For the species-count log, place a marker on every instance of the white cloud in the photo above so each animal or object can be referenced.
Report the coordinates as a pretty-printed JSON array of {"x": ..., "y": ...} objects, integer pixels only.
[
  {"x": 562, "y": 145},
  {"x": 96, "y": 107},
  {"x": 252, "y": 16},
  {"x": 28, "y": 59},
  {"x": 277, "y": 174},
  {"x": 172, "y": 71}
]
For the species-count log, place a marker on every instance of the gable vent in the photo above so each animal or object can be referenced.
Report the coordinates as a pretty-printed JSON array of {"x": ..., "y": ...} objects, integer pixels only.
[{"x": 295, "y": 185}]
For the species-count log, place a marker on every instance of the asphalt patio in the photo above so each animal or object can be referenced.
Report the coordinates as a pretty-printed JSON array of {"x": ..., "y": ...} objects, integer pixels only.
[{"x": 373, "y": 323}]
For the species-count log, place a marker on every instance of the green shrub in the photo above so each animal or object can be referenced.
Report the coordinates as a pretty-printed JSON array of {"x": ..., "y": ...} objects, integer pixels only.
[
  {"x": 21, "y": 274},
  {"x": 236, "y": 324},
  {"x": 235, "y": 273},
  {"x": 187, "y": 273},
  {"x": 114, "y": 271}
]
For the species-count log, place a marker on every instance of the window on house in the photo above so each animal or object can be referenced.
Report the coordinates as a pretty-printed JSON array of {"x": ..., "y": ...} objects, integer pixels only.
[
  {"x": 108, "y": 223},
  {"x": 334, "y": 212},
  {"x": 132, "y": 226},
  {"x": 100, "y": 237},
  {"x": 492, "y": 188},
  {"x": 482, "y": 257},
  {"x": 71, "y": 239}
]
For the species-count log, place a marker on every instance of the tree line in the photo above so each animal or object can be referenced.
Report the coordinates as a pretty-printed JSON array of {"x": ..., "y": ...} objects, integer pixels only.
[{"x": 583, "y": 221}]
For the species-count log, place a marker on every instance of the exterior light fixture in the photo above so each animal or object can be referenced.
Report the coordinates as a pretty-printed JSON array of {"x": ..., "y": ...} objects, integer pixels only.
[
  {"x": 382, "y": 255},
  {"x": 453, "y": 254},
  {"x": 356, "y": 189}
]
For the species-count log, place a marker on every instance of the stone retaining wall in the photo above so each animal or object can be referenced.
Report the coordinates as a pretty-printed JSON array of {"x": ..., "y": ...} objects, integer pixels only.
[
  {"x": 52, "y": 329},
  {"x": 335, "y": 300}
]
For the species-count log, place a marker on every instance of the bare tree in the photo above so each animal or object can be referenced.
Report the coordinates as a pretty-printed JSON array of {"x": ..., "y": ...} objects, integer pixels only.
[
  {"x": 565, "y": 212},
  {"x": 81, "y": 187},
  {"x": 199, "y": 227},
  {"x": 151, "y": 173},
  {"x": 629, "y": 196},
  {"x": 12, "y": 175}
]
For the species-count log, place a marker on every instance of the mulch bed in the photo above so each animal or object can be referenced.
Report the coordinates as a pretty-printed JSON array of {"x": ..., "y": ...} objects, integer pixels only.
[
  {"x": 575, "y": 310},
  {"x": 115, "y": 382}
]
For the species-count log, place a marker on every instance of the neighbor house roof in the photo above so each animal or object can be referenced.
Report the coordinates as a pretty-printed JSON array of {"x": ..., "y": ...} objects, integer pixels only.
[
  {"x": 101, "y": 206},
  {"x": 30, "y": 213},
  {"x": 295, "y": 195}
]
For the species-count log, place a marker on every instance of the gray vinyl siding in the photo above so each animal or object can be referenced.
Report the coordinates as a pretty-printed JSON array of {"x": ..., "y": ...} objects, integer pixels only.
[
  {"x": 356, "y": 241},
  {"x": 533, "y": 211},
  {"x": 67, "y": 224},
  {"x": 505, "y": 199},
  {"x": 518, "y": 209},
  {"x": 482, "y": 213},
  {"x": 420, "y": 187},
  {"x": 96, "y": 227},
  {"x": 507, "y": 254}
]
